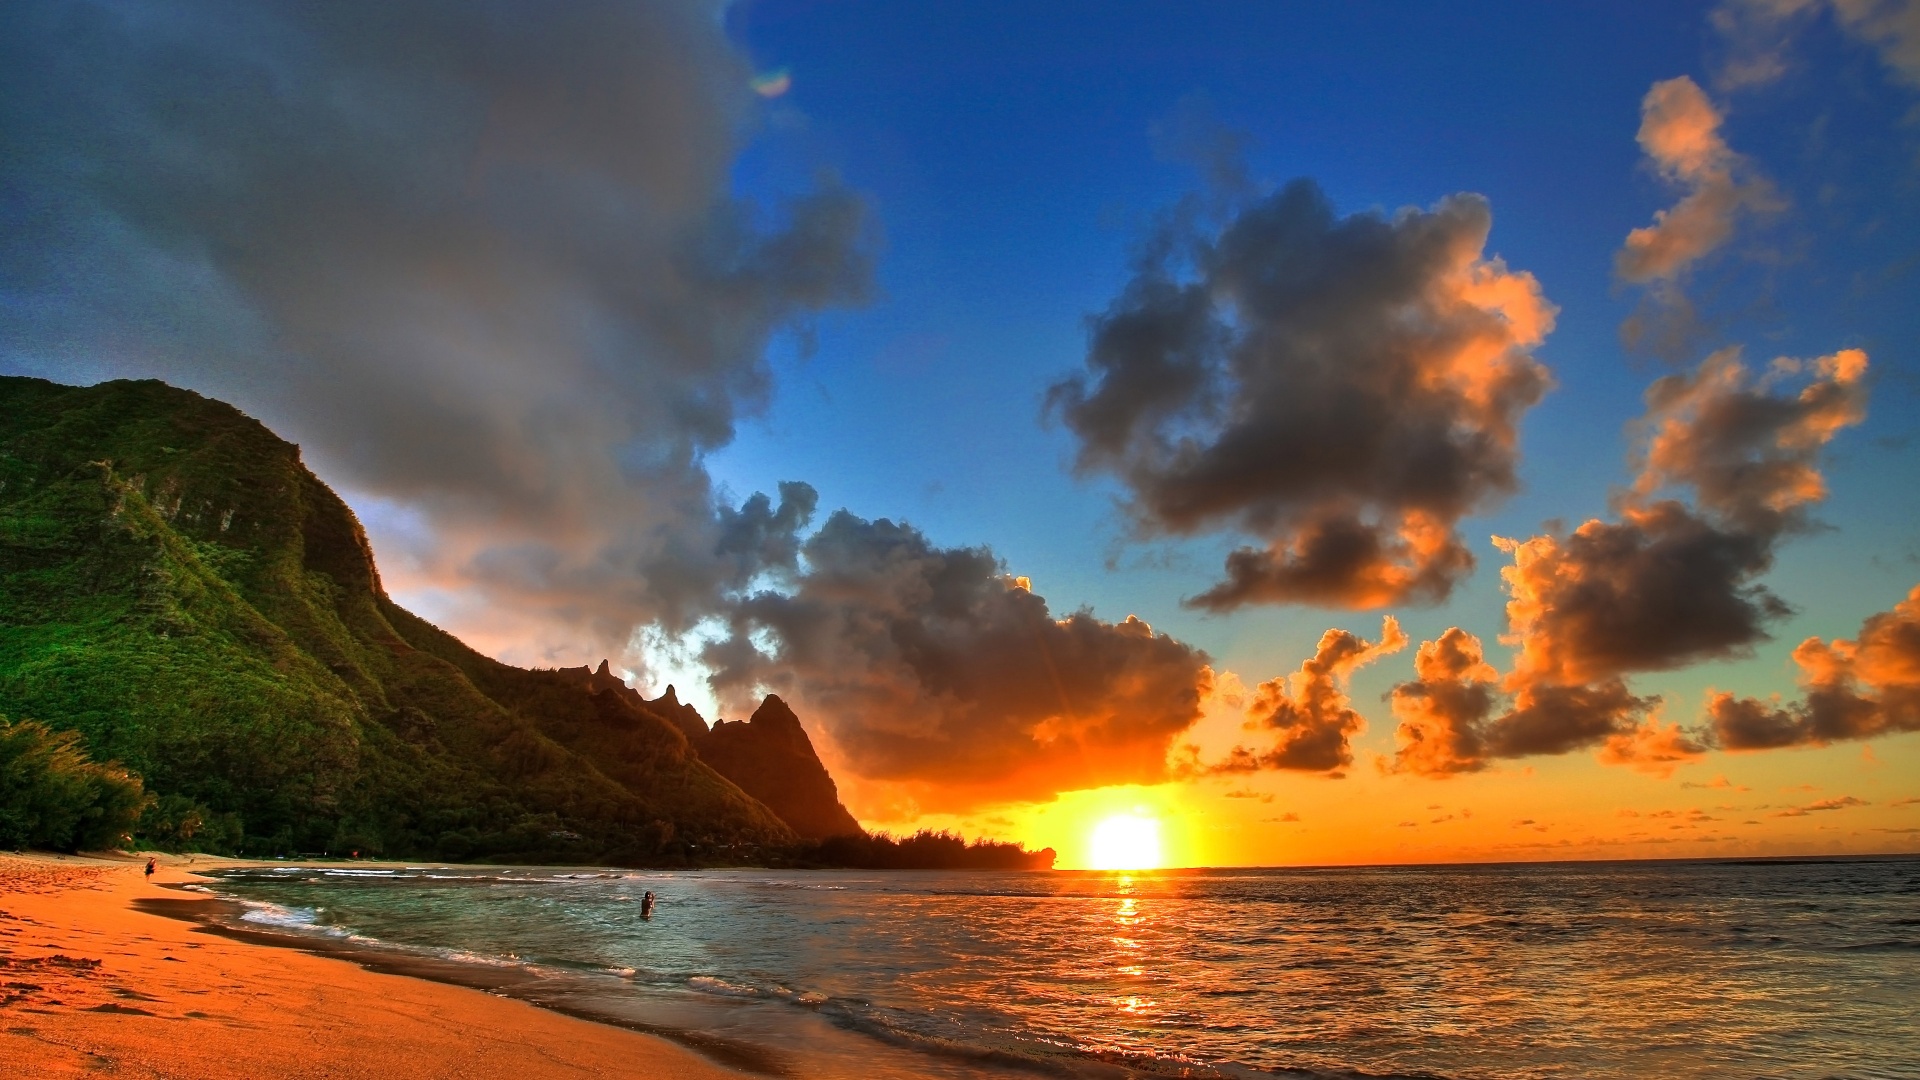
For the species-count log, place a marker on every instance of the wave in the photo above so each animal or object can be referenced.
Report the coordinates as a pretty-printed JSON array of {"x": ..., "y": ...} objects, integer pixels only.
[
  {"x": 1885, "y": 945},
  {"x": 302, "y": 919}
]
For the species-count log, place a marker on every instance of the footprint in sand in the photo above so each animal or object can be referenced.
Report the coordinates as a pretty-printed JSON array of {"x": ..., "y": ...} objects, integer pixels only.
[{"x": 111, "y": 1007}]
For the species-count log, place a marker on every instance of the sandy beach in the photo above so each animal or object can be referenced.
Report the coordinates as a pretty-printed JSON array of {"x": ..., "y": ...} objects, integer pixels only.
[{"x": 92, "y": 984}]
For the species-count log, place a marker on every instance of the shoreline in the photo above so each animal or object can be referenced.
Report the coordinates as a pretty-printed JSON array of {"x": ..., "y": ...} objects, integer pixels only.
[
  {"x": 102, "y": 970},
  {"x": 221, "y": 917}
]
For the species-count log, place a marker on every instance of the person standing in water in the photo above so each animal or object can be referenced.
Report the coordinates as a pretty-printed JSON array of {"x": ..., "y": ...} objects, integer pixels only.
[{"x": 646, "y": 906}]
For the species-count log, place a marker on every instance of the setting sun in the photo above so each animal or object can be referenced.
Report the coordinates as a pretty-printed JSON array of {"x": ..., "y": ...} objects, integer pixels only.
[{"x": 1127, "y": 842}]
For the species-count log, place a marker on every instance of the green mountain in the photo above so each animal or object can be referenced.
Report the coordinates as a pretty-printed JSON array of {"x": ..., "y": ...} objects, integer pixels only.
[{"x": 180, "y": 590}]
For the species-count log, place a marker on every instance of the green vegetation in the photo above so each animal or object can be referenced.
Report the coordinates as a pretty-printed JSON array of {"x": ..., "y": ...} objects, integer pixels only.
[
  {"x": 926, "y": 850},
  {"x": 178, "y": 591},
  {"x": 52, "y": 795}
]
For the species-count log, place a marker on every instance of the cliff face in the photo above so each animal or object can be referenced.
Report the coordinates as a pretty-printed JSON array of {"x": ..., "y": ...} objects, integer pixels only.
[
  {"x": 178, "y": 588},
  {"x": 772, "y": 759},
  {"x": 768, "y": 756}
]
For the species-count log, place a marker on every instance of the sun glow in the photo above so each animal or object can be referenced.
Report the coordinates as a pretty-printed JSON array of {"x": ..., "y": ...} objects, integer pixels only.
[{"x": 1126, "y": 842}]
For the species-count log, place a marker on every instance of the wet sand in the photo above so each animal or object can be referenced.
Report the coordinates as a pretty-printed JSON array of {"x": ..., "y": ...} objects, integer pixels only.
[{"x": 94, "y": 980}]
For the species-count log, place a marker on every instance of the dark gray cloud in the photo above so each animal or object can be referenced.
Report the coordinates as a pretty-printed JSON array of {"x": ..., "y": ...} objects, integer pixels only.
[
  {"x": 480, "y": 259},
  {"x": 1550, "y": 719},
  {"x": 1858, "y": 689},
  {"x": 1662, "y": 588},
  {"x": 1667, "y": 584},
  {"x": 933, "y": 670},
  {"x": 1343, "y": 389}
]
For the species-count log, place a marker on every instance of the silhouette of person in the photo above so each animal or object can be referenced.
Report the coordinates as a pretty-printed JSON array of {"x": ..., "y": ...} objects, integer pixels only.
[
  {"x": 646, "y": 906},
  {"x": 150, "y": 863}
]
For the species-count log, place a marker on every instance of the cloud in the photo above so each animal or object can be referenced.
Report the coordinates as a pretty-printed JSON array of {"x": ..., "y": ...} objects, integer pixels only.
[
  {"x": 1680, "y": 135},
  {"x": 933, "y": 670},
  {"x": 1454, "y": 717},
  {"x": 1663, "y": 585},
  {"x": 1555, "y": 719},
  {"x": 1245, "y": 793},
  {"x": 1718, "y": 782},
  {"x": 484, "y": 266},
  {"x": 1443, "y": 712},
  {"x": 1653, "y": 748},
  {"x": 1342, "y": 389},
  {"x": 1759, "y": 35},
  {"x": 1841, "y": 803},
  {"x": 1854, "y": 689},
  {"x": 1667, "y": 584},
  {"x": 1312, "y": 719}
]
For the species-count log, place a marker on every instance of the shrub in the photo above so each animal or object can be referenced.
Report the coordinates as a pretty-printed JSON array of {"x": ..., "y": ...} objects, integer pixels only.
[{"x": 52, "y": 795}]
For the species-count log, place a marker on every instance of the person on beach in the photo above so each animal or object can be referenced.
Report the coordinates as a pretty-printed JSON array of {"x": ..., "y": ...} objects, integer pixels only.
[
  {"x": 150, "y": 863},
  {"x": 646, "y": 906}
]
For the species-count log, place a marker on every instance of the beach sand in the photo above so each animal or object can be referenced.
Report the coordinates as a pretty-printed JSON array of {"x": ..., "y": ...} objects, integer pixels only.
[{"x": 92, "y": 985}]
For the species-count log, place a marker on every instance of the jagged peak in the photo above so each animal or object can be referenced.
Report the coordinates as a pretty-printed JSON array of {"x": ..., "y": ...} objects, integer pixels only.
[
  {"x": 774, "y": 712},
  {"x": 603, "y": 670}
]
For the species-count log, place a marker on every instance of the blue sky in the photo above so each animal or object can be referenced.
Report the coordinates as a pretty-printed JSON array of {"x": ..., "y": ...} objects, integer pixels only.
[{"x": 1012, "y": 158}]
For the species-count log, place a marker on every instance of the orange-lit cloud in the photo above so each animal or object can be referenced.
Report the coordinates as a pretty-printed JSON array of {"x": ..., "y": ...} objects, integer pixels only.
[
  {"x": 1342, "y": 389},
  {"x": 1454, "y": 717},
  {"x": 1653, "y": 748},
  {"x": 1312, "y": 719},
  {"x": 1717, "y": 783},
  {"x": 932, "y": 670},
  {"x": 1842, "y": 803},
  {"x": 1680, "y": 133},
  {"x": 1854, "y": 689},
  {"x": 1443, "y": 712},
  {"x": 1665, "y": 584}
]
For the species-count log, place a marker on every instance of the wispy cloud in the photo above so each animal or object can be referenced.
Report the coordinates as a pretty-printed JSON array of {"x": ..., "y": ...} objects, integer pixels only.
[
  {"x": 1841, "y": 803},
  {"x": 1717, "y": 783},
  {"x": 1680, "y": 134},
  {"x": 1759, "y": 35}
]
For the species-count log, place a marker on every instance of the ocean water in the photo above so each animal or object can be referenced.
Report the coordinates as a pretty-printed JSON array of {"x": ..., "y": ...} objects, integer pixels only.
[{"x": 1642, "y": 970}]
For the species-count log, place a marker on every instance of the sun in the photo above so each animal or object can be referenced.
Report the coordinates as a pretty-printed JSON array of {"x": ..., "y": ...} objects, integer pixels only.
[{"x": 1126, "y": 842}]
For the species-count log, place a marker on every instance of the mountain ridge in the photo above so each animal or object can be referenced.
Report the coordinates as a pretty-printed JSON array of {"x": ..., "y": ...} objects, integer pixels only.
[
  {"x": 180, "y": 589},
  {"x": 769, "y": 755}
]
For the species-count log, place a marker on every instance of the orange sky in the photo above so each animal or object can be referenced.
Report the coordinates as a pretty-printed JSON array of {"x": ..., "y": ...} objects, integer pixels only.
[{"x": 1549, "y": 808}]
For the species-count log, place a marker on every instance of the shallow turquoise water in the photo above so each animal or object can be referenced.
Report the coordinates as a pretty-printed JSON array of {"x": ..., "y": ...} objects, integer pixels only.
[{"x": 1673, "y": 969}]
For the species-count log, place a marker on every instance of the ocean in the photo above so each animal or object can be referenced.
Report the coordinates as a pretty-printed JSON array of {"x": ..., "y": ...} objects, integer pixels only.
[{"x": 1777, "y": 968}]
